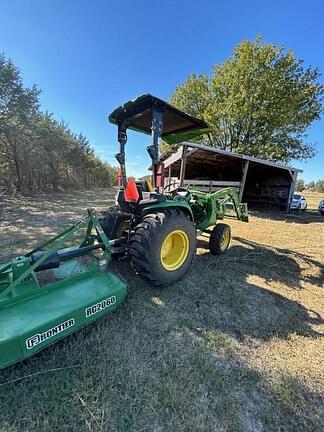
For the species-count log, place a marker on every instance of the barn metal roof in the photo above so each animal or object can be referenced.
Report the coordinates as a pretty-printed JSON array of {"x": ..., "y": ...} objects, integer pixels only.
[{"x": 171, "y": 157}]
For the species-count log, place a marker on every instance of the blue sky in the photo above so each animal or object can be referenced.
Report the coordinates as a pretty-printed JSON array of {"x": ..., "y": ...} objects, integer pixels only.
[{"x": 88, "y": 57}]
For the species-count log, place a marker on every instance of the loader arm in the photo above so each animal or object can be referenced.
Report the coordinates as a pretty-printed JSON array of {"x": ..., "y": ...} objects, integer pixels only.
[{"x": 214, "y": 205}]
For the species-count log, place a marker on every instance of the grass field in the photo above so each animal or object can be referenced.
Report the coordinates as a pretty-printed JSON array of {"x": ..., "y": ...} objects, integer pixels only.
[
  {"x": 236, "y": 346},
  {"x": 313, "y": 199}
]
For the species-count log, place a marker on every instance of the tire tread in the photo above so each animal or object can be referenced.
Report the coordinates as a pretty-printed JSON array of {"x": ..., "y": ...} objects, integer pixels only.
[{"x": 141, "y": 258}]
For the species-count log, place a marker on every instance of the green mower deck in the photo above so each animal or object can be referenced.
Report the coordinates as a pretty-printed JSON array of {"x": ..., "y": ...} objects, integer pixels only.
[
  {"x": 39, "y": 307},
  {"x": 30, "y": 325}
]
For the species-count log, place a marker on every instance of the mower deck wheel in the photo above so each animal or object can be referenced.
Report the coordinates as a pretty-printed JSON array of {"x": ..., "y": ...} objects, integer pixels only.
[{"x": 220, "y": 239}]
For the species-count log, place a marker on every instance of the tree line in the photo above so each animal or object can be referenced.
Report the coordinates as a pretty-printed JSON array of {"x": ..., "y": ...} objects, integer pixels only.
[
  {"x": 37, "y": 152},
  {"x": 312, "y": 186},
  {"x": 259, "y": 102}
]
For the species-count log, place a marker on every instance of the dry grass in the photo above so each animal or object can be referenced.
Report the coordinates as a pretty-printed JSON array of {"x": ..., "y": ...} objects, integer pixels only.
[
  {"x": 236, "y": 346},
  {"x": 313, "y": 199}
]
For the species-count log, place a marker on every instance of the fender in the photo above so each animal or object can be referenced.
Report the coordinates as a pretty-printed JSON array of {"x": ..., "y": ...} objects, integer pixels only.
[{"x": 182, "y": 205}]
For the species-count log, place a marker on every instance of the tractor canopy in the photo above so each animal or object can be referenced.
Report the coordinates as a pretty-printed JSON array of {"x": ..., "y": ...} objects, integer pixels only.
[{"x": 137, "y": 114}]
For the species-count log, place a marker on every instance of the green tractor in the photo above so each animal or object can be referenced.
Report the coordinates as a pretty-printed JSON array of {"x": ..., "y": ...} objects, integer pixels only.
[
  {"x": 52, "y": 291},
  {"x": 157, "y": 230}
]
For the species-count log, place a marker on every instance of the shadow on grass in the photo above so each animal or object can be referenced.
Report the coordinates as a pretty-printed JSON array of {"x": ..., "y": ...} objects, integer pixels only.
[
  {"x": 299, "y": 217},
  {"x": 284, "y": 266},
  {"x": 241, "y": 307}
]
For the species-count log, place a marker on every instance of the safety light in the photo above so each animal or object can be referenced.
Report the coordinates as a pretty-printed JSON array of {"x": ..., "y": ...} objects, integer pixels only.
[{"x": 131, "y": 193}]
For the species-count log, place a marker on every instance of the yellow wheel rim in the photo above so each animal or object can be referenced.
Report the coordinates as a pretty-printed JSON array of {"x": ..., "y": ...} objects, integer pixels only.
[
  {"x": 225, "y": 240},
  {"x": 175, "y": 250}
]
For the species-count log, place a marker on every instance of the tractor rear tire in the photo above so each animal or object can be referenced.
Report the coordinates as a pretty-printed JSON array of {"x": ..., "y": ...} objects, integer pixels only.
[
  {"x": 163, "y": 247},
  {"x": 114, "y": 223},
  {"x": 220, "y": 239}
]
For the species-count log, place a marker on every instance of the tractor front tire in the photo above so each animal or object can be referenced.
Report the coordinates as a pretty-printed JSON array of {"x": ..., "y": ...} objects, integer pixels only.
[
  {"x": 163, "y": 247},
  {"x": 220, "y": 239}
]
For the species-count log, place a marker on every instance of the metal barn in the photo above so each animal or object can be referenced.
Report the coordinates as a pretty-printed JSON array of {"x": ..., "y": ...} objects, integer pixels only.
[{"x": 261, "y": 183}]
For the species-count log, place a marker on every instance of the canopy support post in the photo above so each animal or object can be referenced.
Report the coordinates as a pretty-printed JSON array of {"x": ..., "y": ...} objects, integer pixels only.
[
  {"x": 122, "y": 139},
  {"x": 153, "y": 149}
]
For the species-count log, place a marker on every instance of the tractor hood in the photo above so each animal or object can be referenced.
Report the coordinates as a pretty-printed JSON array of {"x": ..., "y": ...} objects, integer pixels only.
[{"x": 177, "y": 125}]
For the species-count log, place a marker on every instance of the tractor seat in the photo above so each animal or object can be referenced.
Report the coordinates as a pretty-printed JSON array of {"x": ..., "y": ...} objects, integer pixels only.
[
  {"x": 154, "y": 199},
  {"x": 180, "y": 195}
]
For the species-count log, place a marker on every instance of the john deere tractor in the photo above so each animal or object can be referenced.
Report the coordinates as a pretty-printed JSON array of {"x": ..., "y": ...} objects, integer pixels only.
[
  {"x": 158, "y": 230},
  {"x": 52, "y": 291}
]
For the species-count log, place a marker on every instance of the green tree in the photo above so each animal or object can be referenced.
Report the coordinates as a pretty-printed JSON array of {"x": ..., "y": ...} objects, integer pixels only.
[
  {"x": 259, "y": 102},
  {"x": 36, "y": 151},
  {"x": 300, "y": 185},
  {"x": 311, "y": 186},
  {"x": 319, "y": 186}
]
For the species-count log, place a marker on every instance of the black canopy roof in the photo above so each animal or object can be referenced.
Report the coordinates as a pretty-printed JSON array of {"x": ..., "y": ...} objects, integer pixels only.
[{"x": 177, "y": 125}]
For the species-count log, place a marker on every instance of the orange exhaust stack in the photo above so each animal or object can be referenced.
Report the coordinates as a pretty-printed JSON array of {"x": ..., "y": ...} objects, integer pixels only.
[{"x": 131, "y": 193}]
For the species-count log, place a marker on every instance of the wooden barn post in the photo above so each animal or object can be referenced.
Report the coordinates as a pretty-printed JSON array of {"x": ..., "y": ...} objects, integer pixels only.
[
  {"x": 245, "y": 170},
  {"x": 183, "y": 164}
]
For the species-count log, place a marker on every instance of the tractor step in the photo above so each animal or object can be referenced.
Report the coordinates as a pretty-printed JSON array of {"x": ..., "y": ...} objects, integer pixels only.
[{"x": 31, "y": 324}]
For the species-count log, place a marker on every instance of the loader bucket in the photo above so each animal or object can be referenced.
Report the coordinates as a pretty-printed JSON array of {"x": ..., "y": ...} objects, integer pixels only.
[{"x": 47, "y": 295}]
